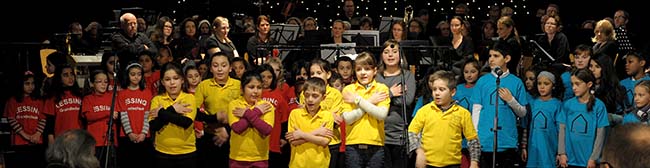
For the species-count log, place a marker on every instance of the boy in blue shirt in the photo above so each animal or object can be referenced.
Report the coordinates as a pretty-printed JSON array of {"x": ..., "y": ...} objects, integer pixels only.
[{"x": 512, "y": 101}]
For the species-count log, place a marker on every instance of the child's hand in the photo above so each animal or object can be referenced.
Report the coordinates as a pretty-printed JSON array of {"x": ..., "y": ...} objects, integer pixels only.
[
  {"x": 324, "y": 132},
  {"x": 563, "y": 160},
  {"x": 182, "y": 108},
  {"x": 337, "y": 118},
  {"x": 238, "y": 112},
  {"x": 133, "y": 137},
  {"x": 222, "y": 117},
  {"x": 221, "y": 136},
  {"x": 396, "y": 89},
  {"x": 264, "y": 107},
  {"x": 349, "y": 97},
  {"x": 524, "y": 155},
  {"x": 505, "y": 94},
  {"x": 420, "y": 158},
  {"x": 474, "y": 164},
  {"x": 591, "y": 164},
  {"x": 115, "y": 114},
  {"x": 141, "y": 137},
  {"x": 378, "y": 97},
  {"x": 35, "y": 137}
]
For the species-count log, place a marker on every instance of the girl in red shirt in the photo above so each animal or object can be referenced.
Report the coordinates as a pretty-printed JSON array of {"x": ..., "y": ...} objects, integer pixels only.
[
  {"x": 133, "y": 103},
  {"x": 96, "y": 110},
  {"x": 272, "y": 94},
  {"x": 25, "y": 114},
  {"x": 64, "y": 105}
]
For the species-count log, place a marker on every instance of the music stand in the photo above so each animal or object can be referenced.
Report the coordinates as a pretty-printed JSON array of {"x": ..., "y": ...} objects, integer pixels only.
[
  {"x": 331, "y": 52},
  {"x": 416, "y": 56},
  {"x": 387, "y": 22},
  {"x": 283, "y": 33},
  {"x": 363, "y": 37}
]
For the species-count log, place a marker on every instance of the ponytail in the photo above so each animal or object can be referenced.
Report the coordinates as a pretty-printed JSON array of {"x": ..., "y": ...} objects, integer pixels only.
[{"x": 590, "y": 104}]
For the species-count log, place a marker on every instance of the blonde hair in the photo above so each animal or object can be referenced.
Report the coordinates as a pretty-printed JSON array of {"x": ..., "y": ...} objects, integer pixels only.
[
  {"x": 605, "y": 27},
  {"x": 277, "y": 61},
  {"x": 365, "y": 59},
  {"x": 217, "y": 23}
]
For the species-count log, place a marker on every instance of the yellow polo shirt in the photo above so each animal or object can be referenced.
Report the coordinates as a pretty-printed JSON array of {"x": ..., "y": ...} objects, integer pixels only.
[
  {"x": 309, "y": 154},
  {"x": 332, "y": 103},
  {"x": 367, "y": 130},
  {"x": 442, "y": 133},
  {"x": 173, "y": 139},
  {"x": 249, "y": 146},
  {"x": 214, "y": 97}
]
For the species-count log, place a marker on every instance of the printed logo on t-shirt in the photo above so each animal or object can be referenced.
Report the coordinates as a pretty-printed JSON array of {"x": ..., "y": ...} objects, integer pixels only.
[
  {"x": 539, "y": 120},
  {"x": 463, "y": 102},
  {"x": 579, "y": 124},
  {"x": 495, "y": 95}
]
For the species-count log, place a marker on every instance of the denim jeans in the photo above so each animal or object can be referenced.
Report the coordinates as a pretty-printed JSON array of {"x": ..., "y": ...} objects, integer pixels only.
[{"x": 364, "y": 156}]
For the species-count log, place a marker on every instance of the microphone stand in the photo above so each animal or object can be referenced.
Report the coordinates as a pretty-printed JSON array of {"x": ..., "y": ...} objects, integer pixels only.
[
  {"x": 495, "y": 128},
  {"x": 110, "y": 151},
  {"x": 403, "y": 87}
]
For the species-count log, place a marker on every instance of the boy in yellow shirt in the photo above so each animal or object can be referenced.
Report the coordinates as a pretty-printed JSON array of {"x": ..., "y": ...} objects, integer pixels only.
[
  {"x": 443, "y": 124},
  {"x": 364, "y": 112},
  {"x": 308, "y": 127}
]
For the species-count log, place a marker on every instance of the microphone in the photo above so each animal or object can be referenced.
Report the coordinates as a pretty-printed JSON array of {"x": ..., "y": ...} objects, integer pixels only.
[{"x": 497, "y": 70}]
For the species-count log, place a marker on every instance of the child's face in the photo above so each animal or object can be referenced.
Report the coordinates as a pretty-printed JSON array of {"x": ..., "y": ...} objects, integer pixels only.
[
  {"x": 253, "y": 91},
  {"x": 596, "y": 69},
  {"x": 582, "y": 59},
  {"x": 193, "y": 77},
  {"x": 345, "y": 69},
  {"x": 365, "y": 73},
  {"x": 544, "y": 86},
  {"x": 173, "y": 82},
  {"x": 100, "y": 83},
  {"x": 110, "y": 64},
  {"x": 302, "y": 75},
  {"x": 50, "y": 67},
  {"x": 276, "y": 69},
  {"x": 641, "y": 96},
  {"x": 441, "y": 92},
  {"x": 146, "y": 63},
  {"x": 239, "y": 68},
  {"x": 498, "y": 59},
  {"x": 390, "y": 56},
  {"x": 632, "y": 65},
  {"x": 338, "y": 85},
  {"x": 135, "y": 76},
  {"x": 579, "y": 87},
  {"x": 313, "y": 99},
  {"x": 28, "y": 86},
  {"x": 203, "y": 68},
  {"x": 67, "y": 77},
  {"x": 470, "y": 73},
  {"x": 220, "y": 67},
  {"x": 163, "y": 57},
  {"x": 530, "y": 80},
  {"x": 267, "y": 79},
  {"x": 318, "y": 72}
]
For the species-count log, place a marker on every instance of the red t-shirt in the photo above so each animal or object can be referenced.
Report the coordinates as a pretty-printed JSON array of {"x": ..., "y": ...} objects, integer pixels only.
[
  {"x": 96, "y": 110},
  {"x": 65, "y": 112},
  {"x": 110, "y": 86},
  {"x": 276, "y": 98},
  {"x": 135, "y": 103},
  {"x": 152, "y": 82},
  {"x": 292, "y": 99},
  {"x": 25, "y": 115}
]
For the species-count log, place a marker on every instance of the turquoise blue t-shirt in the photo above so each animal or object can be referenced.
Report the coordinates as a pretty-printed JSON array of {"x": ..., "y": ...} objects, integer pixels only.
[
  {"x": 581, "y": 127},
  {"x": 485, "y": 94},
  {"x": 568, "y": 89},
  {"x": 630, "y": 118},
  {"x": 543, "y": 133},
  {"x": 463, "y": 95},
  {"x": 628, "y": 84}
]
